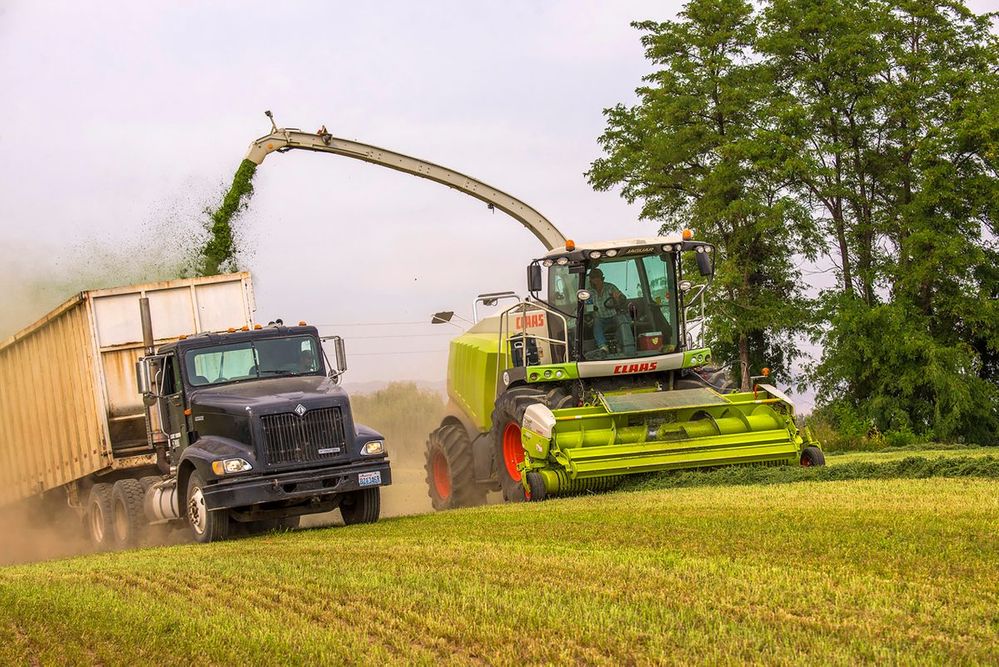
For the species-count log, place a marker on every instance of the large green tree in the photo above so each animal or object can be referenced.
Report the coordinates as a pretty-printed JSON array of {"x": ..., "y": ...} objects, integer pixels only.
[
  {"x": 890, "y": 116},
  {"x": 696, "y": 152}
]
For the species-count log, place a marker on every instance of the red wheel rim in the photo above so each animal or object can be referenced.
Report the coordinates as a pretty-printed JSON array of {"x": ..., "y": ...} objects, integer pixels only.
[
  {"x": 805, "y": 461},
  {"x": 442, "y": 476},
  {"x": 513, "y": 450}
]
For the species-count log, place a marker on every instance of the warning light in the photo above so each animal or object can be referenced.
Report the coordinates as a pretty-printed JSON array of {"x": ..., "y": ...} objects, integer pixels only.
[
  {"x": 570, "y": 245},
  {"x": 244, "y": 328},
  {"x": 766, "y": 372},
  {"x": 257, "y": 327},
  {"x": 687, "y": 234},
  {"x": 302, "y": 323},
  {"x": 231, "y": 329}
]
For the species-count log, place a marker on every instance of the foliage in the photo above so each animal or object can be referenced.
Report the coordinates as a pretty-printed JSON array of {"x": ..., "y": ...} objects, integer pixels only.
[
  {"x": 833, "y": 573},
  {"x": 694, "y": 152},
  {"x": 868, "y": 129}
]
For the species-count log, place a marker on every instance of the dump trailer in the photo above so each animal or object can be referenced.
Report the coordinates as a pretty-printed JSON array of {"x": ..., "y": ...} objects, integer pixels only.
[
  {"x": 602, "y": 372},
  {"x": 164, "y": 403}
]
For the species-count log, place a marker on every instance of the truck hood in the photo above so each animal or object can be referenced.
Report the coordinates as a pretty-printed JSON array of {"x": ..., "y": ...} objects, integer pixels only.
[{"x": 270, "y": 395}]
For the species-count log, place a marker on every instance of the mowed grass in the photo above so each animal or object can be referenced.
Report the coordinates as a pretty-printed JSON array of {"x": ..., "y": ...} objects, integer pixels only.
[
  {"x": 927, "y": 452},
  {"x": 837, "y": 572}
]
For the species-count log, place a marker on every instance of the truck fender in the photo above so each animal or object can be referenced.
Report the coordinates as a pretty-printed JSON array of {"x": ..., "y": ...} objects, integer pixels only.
[{"x": 203, "y": 451}]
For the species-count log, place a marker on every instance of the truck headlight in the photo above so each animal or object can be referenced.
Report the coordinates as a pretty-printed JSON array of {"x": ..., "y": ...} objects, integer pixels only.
[
  {"x": 228, "y": 466},
  {"x": 372, "y": 448}
]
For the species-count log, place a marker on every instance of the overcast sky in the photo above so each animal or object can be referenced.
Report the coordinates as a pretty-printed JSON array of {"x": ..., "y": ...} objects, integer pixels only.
[{"x": 122, "y": 121}]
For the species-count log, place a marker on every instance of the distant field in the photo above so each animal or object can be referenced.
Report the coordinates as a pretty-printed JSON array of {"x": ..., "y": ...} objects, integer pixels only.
[{"x": 869, "y": 570}]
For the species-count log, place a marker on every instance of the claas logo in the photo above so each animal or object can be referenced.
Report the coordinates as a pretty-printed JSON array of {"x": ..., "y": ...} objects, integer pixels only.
[
  {"x": 635, "y": 368},
  {"x": 529, "y": 321}
]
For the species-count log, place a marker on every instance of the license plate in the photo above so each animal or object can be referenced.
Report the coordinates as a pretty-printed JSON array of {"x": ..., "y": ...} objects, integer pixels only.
[{"x": 369, "y": 478}]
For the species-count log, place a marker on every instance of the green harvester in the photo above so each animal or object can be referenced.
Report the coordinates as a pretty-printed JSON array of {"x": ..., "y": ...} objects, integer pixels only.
[{"x": 601, "y": 372}]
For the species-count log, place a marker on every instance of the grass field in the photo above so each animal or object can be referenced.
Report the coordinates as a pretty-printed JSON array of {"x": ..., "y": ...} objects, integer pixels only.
[{"x": 874, "y": 570}]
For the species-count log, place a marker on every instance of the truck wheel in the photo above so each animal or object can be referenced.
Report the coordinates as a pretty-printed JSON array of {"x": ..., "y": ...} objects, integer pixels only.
[
  {"x": 361, "y": 506},
  {"x": 148, "y": 481},
  {"x": 450, "y": 477},
  {"x": 507, "y": 417},
  {"x": 99, "y": 517},
  {"x": 207, "y": 525},
  {"x": 812, "y": 456},
  {"x": 127, "y": 496}
]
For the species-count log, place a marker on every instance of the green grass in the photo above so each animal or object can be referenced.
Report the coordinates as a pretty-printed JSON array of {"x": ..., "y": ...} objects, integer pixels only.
[{"x": 840, "y": 572}]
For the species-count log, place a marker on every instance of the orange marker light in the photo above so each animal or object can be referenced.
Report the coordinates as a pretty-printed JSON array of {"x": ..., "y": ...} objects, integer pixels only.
[
  {"x": 187, "y": 412},
  {"x": 257, "y": 326},
  {"x": 570, "y": 245},
  {"x": 244, "y": 328},
  {"x": 687, "y": 234},
  {"x": 301, "y": 323},
  {"x": 766, "y": 372},
  {"x": 231, "y": 329}
]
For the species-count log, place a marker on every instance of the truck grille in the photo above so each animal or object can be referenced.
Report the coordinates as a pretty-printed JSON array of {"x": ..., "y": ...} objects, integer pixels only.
[{"x": 315, "y": 436}]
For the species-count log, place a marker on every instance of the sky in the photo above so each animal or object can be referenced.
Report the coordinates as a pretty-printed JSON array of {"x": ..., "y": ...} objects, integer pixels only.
[{"x": 123, "y": 121}]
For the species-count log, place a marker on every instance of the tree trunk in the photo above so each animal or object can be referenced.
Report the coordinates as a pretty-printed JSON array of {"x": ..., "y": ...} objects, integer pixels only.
[{"x": 744, "y": 383}]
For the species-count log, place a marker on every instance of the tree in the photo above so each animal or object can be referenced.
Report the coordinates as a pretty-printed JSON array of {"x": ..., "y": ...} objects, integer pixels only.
[
  {"x": 696, "y": 152},
  {"x": 891, "y": 105}
]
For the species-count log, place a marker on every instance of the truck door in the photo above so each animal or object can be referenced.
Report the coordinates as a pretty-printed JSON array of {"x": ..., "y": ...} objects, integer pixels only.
[{"x": 171, "y": 404}]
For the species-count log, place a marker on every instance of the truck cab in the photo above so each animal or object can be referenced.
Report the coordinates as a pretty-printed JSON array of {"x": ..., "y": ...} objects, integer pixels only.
[{"x": 256, "y": 429}]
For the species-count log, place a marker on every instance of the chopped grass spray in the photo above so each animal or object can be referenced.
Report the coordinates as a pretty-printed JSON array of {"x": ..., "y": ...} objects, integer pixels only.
[{"x": 219, "y": 252}]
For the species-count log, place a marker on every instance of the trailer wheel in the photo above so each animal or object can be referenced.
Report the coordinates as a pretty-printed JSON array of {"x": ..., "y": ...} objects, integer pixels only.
[
  {"x": 449, "y": 466},
  {"x": 127, "y": 496},
  {"x": 507, "y": 417},
  {"x": 361, "y": 506},
  {"x": 99, "y": 517},
  {"x": 812, "y": 456},
  {"x": 207, "y": 525}
]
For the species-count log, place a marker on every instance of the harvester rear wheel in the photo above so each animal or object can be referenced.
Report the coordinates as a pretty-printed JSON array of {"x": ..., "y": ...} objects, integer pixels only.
[
  {"x": 450, "y": 473},
  {"x": 507, "y": 417},
  {"x": 812, "y": 456}
]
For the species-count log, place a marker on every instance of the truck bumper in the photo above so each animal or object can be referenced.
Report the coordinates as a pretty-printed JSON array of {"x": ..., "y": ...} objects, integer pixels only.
[{"x": 298, "y": 485}]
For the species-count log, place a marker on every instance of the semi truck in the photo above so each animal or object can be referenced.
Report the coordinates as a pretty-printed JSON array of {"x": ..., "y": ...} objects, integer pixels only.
[{"x": 165, "y": 404}]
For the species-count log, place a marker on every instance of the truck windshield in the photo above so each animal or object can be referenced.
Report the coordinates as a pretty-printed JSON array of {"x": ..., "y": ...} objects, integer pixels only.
[
  {"x": 266, "y": 357},
  {"x": 632, "y": 308}
]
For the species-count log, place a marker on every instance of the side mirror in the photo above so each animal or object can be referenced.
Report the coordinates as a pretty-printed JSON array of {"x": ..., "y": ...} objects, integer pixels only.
[
  {"x": 704, "y": 264},
  {"x": 341, "y": 354},
  {"x": 534, "y": 283}
]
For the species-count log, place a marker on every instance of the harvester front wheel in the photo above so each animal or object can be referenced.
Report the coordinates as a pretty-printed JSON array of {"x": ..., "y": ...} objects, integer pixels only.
[
  {"x": 450, "y": 474},
  {"x": 507, "y": 417},
  {"x": 812, "y": 456}
]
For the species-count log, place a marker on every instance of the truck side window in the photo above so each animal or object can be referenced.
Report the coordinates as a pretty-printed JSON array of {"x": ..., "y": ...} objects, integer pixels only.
[{"x": 170, "y": 381}]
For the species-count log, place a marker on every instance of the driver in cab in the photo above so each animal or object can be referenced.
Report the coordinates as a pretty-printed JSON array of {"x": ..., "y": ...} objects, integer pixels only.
[{"x": 609, "y": 306}]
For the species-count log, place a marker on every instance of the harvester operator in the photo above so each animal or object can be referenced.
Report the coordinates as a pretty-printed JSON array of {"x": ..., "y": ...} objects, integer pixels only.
[{"x": 608, "y": 304}]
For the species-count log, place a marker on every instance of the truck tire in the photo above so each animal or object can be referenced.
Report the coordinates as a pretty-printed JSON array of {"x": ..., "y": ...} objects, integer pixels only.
[
  {"x": 207, "y": 525},
  {"x": 506, "y": 419},
  {"x": 450, "y": 474},
  {"x": 812, "y": 456},
  {"x": 99, "y": 516},
  {"x": 361, "y": 506},
  {"x": 129, "y": 517},
  {"x": 148, "y": 481}
]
